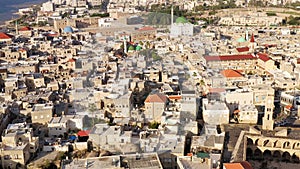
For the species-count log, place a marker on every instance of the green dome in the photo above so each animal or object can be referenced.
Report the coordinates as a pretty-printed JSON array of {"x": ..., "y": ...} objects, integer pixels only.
[
  {"x": 131, "y": 48},
  {"x": 138, "y": 48},
  {"x": 181, "y": 20},
  {"x": 241, "y": 39}
]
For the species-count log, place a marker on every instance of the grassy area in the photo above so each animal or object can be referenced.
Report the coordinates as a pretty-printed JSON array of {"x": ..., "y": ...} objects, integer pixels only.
[{"x": 271, "y": 14}]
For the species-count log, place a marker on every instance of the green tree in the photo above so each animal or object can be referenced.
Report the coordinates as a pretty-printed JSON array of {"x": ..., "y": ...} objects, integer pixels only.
[{"x": 153, "y": 125}]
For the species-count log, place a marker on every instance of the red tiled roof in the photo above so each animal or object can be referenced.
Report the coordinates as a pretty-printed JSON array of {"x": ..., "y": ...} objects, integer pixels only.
[
  {"x": 252, "y": 38},
  {"x": 5, "y": 36},
  {"x": 173, "y": 97},
  {"x": 83, "y": 133},
  {"x": 264, "y": 57},
  {"x": 288, "y": 107},
  {"x": 246, "y": 165},
  {"x": 52, "y": 34},
  {"x": 243, "y": 49},
  {"x": 233, "y": 166},
  {"x": 26, "y": 28},
  {"x": 71, "y": 60},
  {"x": 160, "y": 98},
  {"x": 146, "y": 28},
  {"x": 230, "y": 73},
  {"x": 190, "y": 154},
  {"x": 230, "y": 57},
  {"x": 240, "y": 71},
  {"x": 22, "y": 50}
]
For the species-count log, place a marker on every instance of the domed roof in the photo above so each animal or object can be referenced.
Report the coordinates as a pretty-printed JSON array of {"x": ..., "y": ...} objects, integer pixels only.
[
  {"x": 181, "y": 20},
  {"x": 138, "y": 48},
  {"x": 131, "y": 48},
  {"x": 241, "y": 39},
  {"x": 68, "y": 29}
]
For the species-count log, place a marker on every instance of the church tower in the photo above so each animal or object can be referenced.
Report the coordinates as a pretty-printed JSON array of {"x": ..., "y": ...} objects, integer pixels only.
[
  {"x": 252, "y": 43},
  {"x": 268, "y": 121}
]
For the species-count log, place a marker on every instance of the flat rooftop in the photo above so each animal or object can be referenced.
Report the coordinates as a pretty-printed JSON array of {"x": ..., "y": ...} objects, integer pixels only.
[
  {"x": 132, "y": 161},
  {"x": 216, "y": 106}
]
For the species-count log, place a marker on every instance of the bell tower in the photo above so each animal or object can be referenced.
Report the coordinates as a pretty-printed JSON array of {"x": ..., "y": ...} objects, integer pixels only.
[{"x": 268, "y": 121}]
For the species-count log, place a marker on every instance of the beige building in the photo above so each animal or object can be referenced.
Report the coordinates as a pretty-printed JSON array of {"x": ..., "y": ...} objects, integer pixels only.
[
  {"x": 41, "y": 113},
  {"x": 247, "y": 114},
  {"x": 260, "y": 19},
  {"x": 34, "y": 81},
  {"x": 59, "y": 25},
  {"x": 3, "y": 73},
  {"x": 239, "y": 97},
  {"x": 26, "y": 31},
  {"x": 23, "y": 69},
  {"x": 151, "y": 74},
  {"x": 18, "y": 145},
  {"x": 260, "y": 93},
  {"x": 144, "y": 33},
  {"x": 246, "y": 62},
  {"x": 123, "y": 105},
  {"x": 155, "y": 105}
]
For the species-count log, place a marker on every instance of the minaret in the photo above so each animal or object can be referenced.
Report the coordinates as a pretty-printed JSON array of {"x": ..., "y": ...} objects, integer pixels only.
[
  {"x": 17, "y": 30},
  {"x": 247, "y": 35},
  {"x": 125, "y": 44},
  {"x": 172, "y": 15},
  {"x": 268, "y": 121}
]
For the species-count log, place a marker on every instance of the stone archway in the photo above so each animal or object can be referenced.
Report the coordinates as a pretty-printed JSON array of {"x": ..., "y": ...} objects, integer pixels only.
[
  {"x": 249, "y": 153},
  {"x": 250, "y": 142},
  {"x": 276, "y": 154},
  {"x": 295, "y": 158},
  {"x": 267, "y": 154},
  {"x": 286, "y": 156},
  {"x": 257, "y": 154}
]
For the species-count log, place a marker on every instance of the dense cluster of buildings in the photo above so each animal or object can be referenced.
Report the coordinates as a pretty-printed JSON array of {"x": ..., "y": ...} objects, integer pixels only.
[{"x": 135, "y": 96}]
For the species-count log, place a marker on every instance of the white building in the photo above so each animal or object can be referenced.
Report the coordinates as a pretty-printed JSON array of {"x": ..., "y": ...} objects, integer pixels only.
[
  {"x": 105, "y": 22},
  {"x": 181, "y": 28},
  {"x": 48, "y": 7},
  {"x": 113, "y": 139},
  {"x": 215, "y": 112},
  {"x": 60, "y": 125},
  {"x": 189, "y": 104}
]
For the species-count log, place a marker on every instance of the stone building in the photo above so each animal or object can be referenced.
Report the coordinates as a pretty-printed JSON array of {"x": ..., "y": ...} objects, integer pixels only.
[
  {"x": 18, "y": 145},
  {"x": 154, "y": 107}
]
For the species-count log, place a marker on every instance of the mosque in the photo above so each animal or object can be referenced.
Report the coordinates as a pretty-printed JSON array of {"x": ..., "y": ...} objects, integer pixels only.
[{"x": 181, "y": 27}]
